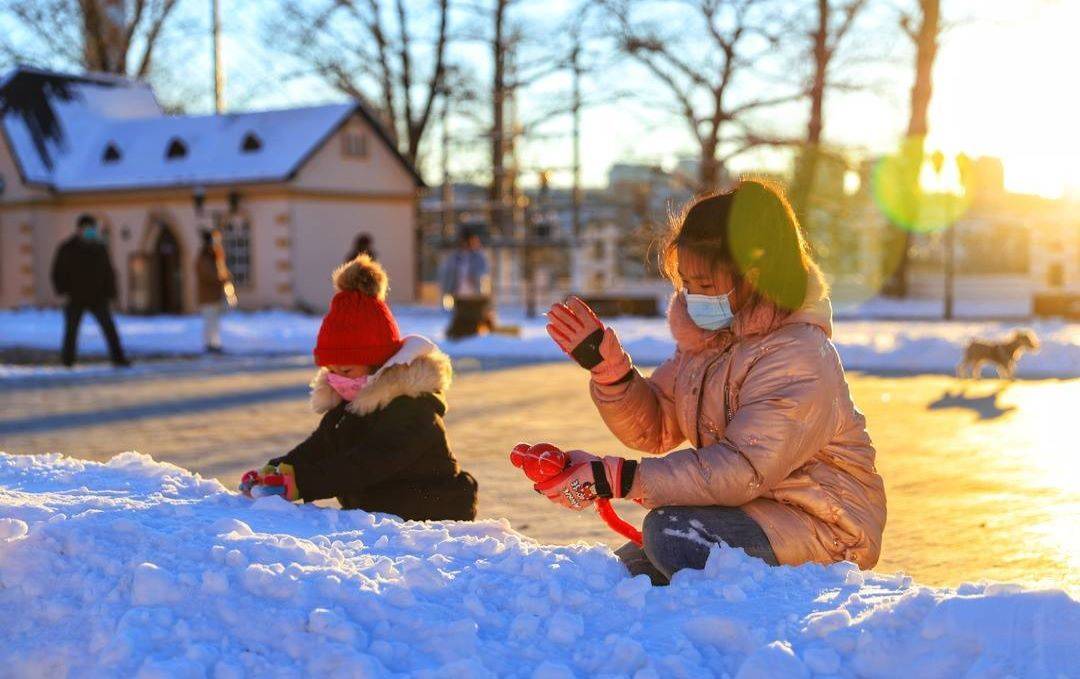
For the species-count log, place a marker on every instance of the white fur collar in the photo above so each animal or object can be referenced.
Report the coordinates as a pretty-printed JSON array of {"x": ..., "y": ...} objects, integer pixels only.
[{"x": 418, "y": 367}]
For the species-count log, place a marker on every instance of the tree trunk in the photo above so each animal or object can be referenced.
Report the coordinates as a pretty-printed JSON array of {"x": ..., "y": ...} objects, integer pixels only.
[
  {"x": 926, "y": 46},
  {"x": 104, "y": 28},
  {"x": 497, "y": 192},
  {"x": 802, "y": 189},
  {"x": 710, "y": 169}
]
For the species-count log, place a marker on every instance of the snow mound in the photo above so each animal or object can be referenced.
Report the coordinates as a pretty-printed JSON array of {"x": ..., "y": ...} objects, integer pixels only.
[{"x": 136, "y": 568}]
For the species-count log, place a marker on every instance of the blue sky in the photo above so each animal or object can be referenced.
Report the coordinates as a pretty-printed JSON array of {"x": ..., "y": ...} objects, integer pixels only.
[{"x": 1003, "y": 87}]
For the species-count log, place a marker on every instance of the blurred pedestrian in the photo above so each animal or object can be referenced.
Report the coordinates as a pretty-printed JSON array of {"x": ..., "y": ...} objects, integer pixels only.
[
  {"x": 83, "y": 272},
  {"x": 466, "y": 288},
  {"x": 465, "y": 272},
  {"x": 363, "y": 245},
  {"x": 212, "y": 283}
]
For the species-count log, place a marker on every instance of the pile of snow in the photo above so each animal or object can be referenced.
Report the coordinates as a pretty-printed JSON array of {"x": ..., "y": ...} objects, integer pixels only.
[
  {"x": 914, "y": 346},
  {"x": 135, "y": 568}
]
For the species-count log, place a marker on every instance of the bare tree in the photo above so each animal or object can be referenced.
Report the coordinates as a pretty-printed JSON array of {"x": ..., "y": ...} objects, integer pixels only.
[
  {"x": 110, "y": 36},
  {"x": 705, "y": 90},
  {"x": 375, "y": 52},
  {"x": 831, "y": 23},
  {"x": 922, "y": 25}
]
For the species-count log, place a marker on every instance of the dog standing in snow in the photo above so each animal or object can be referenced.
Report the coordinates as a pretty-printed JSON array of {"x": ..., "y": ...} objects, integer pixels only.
[{"x": 1003, "y": 355}]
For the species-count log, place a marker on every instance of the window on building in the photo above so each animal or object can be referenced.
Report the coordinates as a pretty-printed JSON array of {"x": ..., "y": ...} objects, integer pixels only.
[
  {"x": 111, "y": 154},
  {"x": 176, "y": 149},
  {"x": 236, "y": 240},
  {"x": 251, "y": 143},
  {"x": 355, "y": 145},
  {"x": 598, "y": 250}
]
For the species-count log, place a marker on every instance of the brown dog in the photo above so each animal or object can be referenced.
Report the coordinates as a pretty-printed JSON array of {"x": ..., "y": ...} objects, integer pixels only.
[{"x": 1003, "y": 355}]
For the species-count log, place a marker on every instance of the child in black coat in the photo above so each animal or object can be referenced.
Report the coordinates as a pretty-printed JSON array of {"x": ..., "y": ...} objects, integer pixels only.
[{"x": 381, "y": 445}]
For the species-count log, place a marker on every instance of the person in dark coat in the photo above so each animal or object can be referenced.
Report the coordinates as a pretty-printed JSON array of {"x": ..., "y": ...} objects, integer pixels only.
[
  {"x": 83, "y": 273},
  {"x": 363, "y": 245},
  {"x": 381, "y": 445}
]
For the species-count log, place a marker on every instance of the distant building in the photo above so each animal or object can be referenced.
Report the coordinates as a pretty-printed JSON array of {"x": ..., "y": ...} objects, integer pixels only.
[{"x": 290, "y": 190}]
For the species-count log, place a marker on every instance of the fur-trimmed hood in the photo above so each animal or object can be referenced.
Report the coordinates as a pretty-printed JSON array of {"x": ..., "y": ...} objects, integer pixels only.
[{"x": 419, "y": 367}]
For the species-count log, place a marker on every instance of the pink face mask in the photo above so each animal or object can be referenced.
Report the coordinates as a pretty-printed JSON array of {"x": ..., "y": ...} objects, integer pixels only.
[{"x": 346, "y": 387}]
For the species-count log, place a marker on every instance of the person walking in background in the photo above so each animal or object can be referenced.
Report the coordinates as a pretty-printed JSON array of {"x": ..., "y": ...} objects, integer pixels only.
[
  {"x": 83, "y": 273},
  {"x": 363, "y": 245},
  {"x": 211, "y": 276},
  {"x": 466, "y": 288},
  {"x": 466, "y": 271}
]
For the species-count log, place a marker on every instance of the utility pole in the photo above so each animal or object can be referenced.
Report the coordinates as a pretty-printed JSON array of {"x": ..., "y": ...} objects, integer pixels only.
[
  {"x": 497, "y": 192},
  {"x": 219, "y": 77},
  {"x": 950, "y": 257},
  {"x": 575, "y": 191},
  {"x": 447, "y": 185}
]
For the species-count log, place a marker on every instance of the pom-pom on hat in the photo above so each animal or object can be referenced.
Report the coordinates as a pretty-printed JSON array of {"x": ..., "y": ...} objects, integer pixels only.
[{"x": 359, "y": 328}]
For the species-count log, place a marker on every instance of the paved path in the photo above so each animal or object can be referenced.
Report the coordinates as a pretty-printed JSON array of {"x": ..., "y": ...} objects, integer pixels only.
[{"x": 982, "y": 480}]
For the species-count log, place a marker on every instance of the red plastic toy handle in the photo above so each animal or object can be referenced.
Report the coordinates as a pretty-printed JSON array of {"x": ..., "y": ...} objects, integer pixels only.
[
  {"x": 615, "y": 523},
  {"x": 544, "y": 461}
]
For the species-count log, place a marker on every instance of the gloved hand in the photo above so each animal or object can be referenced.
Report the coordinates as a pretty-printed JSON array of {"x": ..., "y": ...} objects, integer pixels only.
[
  {"x": 579, "y": 333},
  {"x": 271, "y": 480},
  {"x": 253, "y": 478},
  {"x": 587, "y": 478}
]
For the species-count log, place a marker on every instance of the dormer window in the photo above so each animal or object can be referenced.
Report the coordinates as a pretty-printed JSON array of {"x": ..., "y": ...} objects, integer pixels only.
[
  {"x": 177, "y": 149},
  {"x": 111, "y": 154},
  {"x": 251, "y": 143},
  {"x": 354, "y": 144}
]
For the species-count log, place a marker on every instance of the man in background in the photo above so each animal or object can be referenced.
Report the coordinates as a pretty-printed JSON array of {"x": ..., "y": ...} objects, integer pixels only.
[
  {"x": 83, "y": 273},
  {"x": 466, "y": 287}
]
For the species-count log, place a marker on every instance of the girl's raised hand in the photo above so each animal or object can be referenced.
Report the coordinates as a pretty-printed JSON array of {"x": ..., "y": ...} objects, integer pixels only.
[{"x": 580, "y": 334}]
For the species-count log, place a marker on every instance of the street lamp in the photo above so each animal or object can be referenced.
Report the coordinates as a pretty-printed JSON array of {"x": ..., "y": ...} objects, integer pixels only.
[{"x": 942, "y": 184}]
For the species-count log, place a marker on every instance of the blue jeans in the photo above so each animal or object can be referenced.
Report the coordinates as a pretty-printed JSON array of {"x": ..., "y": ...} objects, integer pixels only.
[{"x": 681, "y": 537}]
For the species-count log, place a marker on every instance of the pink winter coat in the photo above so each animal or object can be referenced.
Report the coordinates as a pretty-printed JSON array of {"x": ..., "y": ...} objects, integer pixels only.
[{"x": 766, "y": 409}]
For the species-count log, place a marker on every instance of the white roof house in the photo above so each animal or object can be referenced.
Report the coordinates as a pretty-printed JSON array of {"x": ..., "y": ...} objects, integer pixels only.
[
  {"x": 291, "y": 187},
  {"x": 113, "y": 134}
]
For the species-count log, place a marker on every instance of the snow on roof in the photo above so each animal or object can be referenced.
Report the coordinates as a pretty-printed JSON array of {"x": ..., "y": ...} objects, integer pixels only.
[
  {"x": 101, "y": 111},
  {"x": 213, "y": 143}
]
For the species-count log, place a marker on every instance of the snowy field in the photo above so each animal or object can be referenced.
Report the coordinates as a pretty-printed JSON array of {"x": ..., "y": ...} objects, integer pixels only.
[
  {"x": 136, "y": 568},
  {"x": 864, "y": 343}
]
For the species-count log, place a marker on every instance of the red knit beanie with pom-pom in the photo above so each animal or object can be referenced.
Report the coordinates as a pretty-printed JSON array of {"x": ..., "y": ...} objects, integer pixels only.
[{"x": 359, "y": 328}]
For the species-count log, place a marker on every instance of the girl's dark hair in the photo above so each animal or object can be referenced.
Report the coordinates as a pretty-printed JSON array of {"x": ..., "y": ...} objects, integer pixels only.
[{"x": 750, "y": 226}]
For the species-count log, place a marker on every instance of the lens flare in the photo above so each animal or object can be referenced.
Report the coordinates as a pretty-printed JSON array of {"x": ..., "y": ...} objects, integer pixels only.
[{"x": 922, "y": 192}]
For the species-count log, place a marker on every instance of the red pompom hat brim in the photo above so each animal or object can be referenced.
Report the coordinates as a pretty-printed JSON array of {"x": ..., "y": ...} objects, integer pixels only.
[{"x": 359, "y": 328}]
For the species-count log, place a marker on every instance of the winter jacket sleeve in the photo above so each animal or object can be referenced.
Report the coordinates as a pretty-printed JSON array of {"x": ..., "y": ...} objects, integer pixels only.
[
  {"x": 61, "y": 270},
  {"x": 786, "y": 414},
  {"x": 641, "y": 411},
  {"x": 400, "y": 434},
  {"x": 110, "y": 274}
]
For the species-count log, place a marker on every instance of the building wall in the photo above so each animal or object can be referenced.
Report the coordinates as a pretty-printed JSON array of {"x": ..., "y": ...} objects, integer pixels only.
[
  {"x": 300, "y": 231},
  {"x": 19, "y": 269},
  {"x": 322, "y": 234},
  {"x": 378, "y": 172}
]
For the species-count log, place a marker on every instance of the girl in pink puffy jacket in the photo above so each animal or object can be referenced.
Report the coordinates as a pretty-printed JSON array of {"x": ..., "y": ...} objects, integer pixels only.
[{"x": 757, "y": 443}]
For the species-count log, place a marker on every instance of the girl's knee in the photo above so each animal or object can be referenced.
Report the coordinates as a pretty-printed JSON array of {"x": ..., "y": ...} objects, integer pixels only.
[{"x": 664, "y": 534}]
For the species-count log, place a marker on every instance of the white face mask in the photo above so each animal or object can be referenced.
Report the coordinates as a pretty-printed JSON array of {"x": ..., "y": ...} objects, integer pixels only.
[{"x": 710, "y": 312}]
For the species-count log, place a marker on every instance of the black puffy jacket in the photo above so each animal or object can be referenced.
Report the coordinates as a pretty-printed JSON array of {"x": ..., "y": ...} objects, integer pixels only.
[
  {"x": 386, "y": 450},
  {"x": 83, "y": 272}
]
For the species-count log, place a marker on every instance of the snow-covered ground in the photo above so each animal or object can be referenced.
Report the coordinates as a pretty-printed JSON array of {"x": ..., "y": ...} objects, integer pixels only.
[
  {"x": 864, "y": 344},
  {"x": 136, "y": 568}
]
